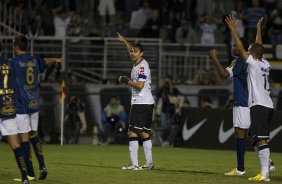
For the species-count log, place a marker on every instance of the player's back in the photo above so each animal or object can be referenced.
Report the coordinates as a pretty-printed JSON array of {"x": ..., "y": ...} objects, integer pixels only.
[
  {"x": 27, "y": 69},
  {"x": 258, "y": 84},
  {"x": 7, "y": 90}
]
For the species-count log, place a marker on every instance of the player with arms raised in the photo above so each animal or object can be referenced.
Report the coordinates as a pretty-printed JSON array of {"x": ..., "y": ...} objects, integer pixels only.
[
  {"x": 259, "y": 101},
  {"x": 241, "y": 113},
  {"x": 142, "y": 104}
]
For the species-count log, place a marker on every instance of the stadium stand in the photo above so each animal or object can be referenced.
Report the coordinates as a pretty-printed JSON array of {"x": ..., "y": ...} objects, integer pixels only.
[{"x": 218, "y": 96}]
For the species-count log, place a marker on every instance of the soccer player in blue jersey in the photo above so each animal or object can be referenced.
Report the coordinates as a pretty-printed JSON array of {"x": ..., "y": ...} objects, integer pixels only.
[
  {"x": 8, "y": 123},
  {"x": 27, "y": 69},
  {"x": 241, "y": 113}
]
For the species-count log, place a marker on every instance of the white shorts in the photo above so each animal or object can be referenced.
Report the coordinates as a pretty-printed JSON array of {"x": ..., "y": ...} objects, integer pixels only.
[
  {"x": 106, "y": 6},
  {"x": 241, "y": 117},
  {"x": 8, "y": 126},
  {"x": 27, "y": 122}
]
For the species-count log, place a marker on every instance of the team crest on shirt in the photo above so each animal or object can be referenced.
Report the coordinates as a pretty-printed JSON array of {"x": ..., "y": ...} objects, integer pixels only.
[
  {"x": 141, "y": 70},
  {"x": 33, "y": 104}
]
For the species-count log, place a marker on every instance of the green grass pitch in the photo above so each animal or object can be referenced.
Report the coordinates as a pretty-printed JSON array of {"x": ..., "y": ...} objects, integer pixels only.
[{"x": 87, "y": 164}]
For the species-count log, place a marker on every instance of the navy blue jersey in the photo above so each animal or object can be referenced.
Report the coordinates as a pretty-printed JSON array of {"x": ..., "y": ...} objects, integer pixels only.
[
  {"x": 27, "y": 69},
  {"x": 240, "y": 83},
  {"x": 7, "y": 90}
]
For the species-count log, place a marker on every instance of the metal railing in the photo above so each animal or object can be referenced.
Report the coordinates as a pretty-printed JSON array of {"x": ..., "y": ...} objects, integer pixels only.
[
  {"x": 102, "y": 59},
  {"x": 11, "y": 19}
]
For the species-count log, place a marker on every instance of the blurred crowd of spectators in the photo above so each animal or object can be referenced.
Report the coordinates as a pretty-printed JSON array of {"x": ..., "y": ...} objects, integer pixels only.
[{"x": 182, "y": 21}]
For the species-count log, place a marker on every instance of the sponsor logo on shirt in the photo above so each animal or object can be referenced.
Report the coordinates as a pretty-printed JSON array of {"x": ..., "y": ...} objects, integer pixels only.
[
  {"x": 33, "y": 104},
  {"x": 28, "y": 87},
  {"x": 141, "y": 70},
  {"x": 6, "y": 91},
  {"x": 8, "y": 110}
]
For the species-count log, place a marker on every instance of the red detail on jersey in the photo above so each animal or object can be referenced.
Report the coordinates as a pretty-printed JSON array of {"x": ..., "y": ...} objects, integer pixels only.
[{"x": 142, "y": 70}]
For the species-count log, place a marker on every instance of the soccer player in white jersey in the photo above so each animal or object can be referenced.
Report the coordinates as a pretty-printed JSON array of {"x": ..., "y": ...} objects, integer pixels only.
[
  {"x": 142, "y": 104},
  {"x": 259, "y": 101}
]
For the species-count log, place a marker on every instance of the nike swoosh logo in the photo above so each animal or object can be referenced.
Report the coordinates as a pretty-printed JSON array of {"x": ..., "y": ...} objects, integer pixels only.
[
  {"x": 224, "y": 135},
  {"x": 187, "y": 133},
  {"x": 274, "y": 132}
]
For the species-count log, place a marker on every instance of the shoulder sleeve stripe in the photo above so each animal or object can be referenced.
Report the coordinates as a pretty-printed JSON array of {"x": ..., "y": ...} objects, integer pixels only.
[{"x": 142, "y": 76}]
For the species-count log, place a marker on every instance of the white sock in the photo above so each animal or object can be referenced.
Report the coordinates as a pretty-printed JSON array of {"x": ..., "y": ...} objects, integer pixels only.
[
  {"x": 133, "y": 152},
  {"x": 147, "y": 146},
  {"x": 264, "y": 160}
]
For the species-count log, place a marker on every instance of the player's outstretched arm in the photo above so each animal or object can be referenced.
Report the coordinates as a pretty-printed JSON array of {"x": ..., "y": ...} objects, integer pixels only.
[
  {"x": 124, "y": 41},
  {"x": 223, "y": 72},
  {"x": 232, "y": 26},
  {"x": 259, "y": 27},
  {"x": 53, "y": 60}
]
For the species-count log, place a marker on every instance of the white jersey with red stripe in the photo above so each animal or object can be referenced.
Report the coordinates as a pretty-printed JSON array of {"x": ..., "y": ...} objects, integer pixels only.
[
  {"x": 142, "y": 72},
  {"x": 258, "y": 84}
]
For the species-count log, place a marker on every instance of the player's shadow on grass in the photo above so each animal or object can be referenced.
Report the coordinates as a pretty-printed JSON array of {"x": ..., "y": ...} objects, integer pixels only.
[
  {"x": 184, "y": 171},
  {"x": 155, "y": 169},
  {"x": 273, "y": 178}
]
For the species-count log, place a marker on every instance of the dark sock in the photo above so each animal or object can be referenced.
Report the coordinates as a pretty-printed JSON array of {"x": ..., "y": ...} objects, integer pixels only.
[
  {"x": 37, "y": 147},
  {"x": 26, "y": 152},
  {"x": 240, "y": 147},
  {"x": 20, "y": 161}
]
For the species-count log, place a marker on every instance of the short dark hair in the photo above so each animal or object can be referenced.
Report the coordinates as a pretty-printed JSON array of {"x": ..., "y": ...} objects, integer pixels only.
[
  {"x": 245, "y": 43},
  {"x": 21, "y": 41},
  {"x": 257, "y": 49},
  {"x": 137, "y": 45}
]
